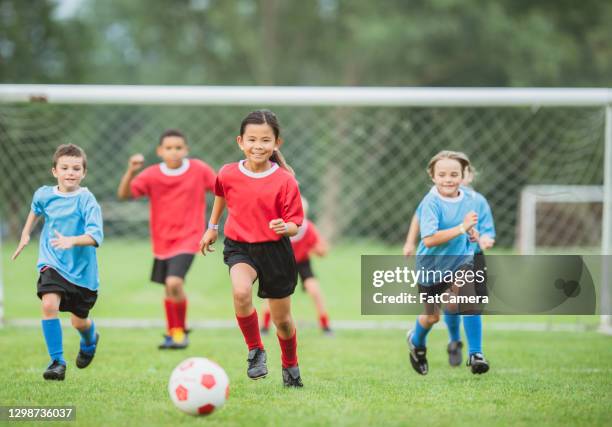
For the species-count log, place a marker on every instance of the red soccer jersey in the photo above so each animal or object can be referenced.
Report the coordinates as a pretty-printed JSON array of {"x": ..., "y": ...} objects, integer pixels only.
[
  {"x": 255, "y": 199},
  {"x": 304, "y": 242},
  {"x": 178, "y": 205}
]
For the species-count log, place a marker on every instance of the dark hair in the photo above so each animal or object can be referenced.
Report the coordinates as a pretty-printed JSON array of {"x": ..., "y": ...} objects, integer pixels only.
[
  {"x": 69, "y": 150},
  {"x": 260, "y": 117},
  {"x": 172, "y": 132}
]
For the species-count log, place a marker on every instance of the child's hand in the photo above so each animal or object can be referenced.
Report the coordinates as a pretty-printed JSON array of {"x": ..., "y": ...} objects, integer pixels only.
[
  {"x": 409, "y": 249},
  {"x": 62, "y": 242},
  {"x": 25, "y": 239},
  {"x": 278, "y": 226},
  {"x": 136, "y": 162},
  {"x": 486, "y": 242},
  {"x": 470, "y": 220},
  {"x": 209, "y": 237}
]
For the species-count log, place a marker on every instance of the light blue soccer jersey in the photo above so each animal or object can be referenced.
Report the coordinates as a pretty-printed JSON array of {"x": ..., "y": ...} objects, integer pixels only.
[
  {"x": 436, "y": 213},
  {"x": 71, "y": 214}
]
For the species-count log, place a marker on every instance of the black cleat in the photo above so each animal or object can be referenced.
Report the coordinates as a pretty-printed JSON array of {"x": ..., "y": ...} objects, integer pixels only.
[
  {"x": 84, "y": 359},
  {"x": 291, "y": 377},
  {"x": 257, "y": 364},
  {"x": 55, "y": 371},
  {"x": 327, "y": 331},
  {"x": 418, "y": 358},
  {"x": 264, "y": 331},
  {"x": 454, "y": 353},
  {"x": 478, "y": 363}
]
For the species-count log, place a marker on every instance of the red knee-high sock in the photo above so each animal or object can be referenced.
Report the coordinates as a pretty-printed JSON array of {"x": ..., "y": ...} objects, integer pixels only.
[
  {"x": 266, "y": 319},
  {"x": 181, "y": 313},
  {"x": 324, "y": 321},
  {"x": 171, "y": 315},
  {"x": 288, "y": 350},
  {"x": 249, "y": 325}
]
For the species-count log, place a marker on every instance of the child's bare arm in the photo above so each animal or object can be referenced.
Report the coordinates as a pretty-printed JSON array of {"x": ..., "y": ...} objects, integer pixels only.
[
  {"x": 25, "y": 233},
  {"x": 67, "y": 242},
  {"x": 211, "y": 234},
  {"x": 413, "y": 237},
  {"x": 134, "y": 164}
]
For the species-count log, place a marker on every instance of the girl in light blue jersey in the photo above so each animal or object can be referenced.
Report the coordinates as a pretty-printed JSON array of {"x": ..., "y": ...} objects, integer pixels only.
[
  {"x": 486, "y": 230},
  {"x": 447, "y": 219},
  {"x": 67, "y": 261}
]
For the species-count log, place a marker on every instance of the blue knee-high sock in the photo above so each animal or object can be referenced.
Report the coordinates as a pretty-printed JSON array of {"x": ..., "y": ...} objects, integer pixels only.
[
  {"x": 453, "y": 322},
  {"x": 473, "y": 329},
  {"x": 52, "y": 330},
  {"x": 419, "y": 335},
  {"x": 88, "y": 338}
]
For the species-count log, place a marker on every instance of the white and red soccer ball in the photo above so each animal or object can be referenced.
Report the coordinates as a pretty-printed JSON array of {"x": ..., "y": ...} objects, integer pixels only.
[{"x": 198, "y": 386}]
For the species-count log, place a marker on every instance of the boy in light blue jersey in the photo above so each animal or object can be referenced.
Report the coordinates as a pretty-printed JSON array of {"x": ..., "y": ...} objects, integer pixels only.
[
  {"x": 447, "y": 221},
  {"x": 67, "y": 261}
]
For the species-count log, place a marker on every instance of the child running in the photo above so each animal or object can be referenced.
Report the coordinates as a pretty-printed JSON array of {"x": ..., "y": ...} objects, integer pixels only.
[
  {"x": 67, "y": 261},
  {"x": 264, "y": 210},
  {"x": 306, "y": 242},
  {"x": 486, "y": 229},
  {"x": 446, "y": 218},
  {"x": 176, "y": 189}
]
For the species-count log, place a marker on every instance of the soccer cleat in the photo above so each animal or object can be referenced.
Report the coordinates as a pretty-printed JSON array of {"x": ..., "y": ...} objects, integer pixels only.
[
  {"x": 291, "y": 377},
  {"x": 176, "y": 341},
  {"x": 257, "y": 364},
  {"x": 55, "y": 371},
  {"x": 84, "y": 358},
  {"x": 418, "y": 358},
  {"x": 454, "y": 353},
  {"x": 327, "y": 331},
  {"x": 478, "y": 363},
  {"x": 166, "y": 344},
  {"x": 264, "y": 331}
]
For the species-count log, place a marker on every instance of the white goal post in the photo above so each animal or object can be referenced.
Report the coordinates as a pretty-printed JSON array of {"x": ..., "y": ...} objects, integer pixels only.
[{"x": 372, "y": 97}]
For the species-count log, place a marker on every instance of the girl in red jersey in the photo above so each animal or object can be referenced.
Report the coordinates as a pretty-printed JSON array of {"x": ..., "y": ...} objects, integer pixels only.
[
  {"x": 305, "y": 243},
  {"x": 264, "y": 206}
]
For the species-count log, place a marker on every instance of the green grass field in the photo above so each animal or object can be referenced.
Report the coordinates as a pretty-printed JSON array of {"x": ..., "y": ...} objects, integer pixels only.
[{"x": 355, "y": 378}]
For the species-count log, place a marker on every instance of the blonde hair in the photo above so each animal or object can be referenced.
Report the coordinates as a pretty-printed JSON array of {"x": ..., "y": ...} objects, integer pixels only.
[{"x": 462, "y": 158}]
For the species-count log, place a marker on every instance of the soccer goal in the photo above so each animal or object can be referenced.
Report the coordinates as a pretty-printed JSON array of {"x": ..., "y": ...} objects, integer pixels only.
[{"x": 360, "y": 154}]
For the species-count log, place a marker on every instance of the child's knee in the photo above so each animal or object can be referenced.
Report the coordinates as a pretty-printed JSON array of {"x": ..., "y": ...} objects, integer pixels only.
[
  {"x": 78, "y": 322},
  {"x": 50, "y": 304},
  {"x": 432, "y": 319},
  {"x": 242, "y": 295},
  {"x": 284, "y": 323},
  {"x": 174, "y": 283}
]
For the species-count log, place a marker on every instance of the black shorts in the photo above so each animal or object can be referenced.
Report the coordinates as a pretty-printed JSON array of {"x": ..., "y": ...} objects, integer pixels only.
[
  {"x": 304, "y": 270},
  {"x": 177, "y": 266},
  {"x": 274, "y": 263},
  {"x": 468, "y": 288},
  {"x": 74, "y": 299}
]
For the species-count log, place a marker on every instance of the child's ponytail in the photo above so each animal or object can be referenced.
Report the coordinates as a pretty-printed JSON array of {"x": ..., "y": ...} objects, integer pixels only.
[{"x": 277, "y": 157}]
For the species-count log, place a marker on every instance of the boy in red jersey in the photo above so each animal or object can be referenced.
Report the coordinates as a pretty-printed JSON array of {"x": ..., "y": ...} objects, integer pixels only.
[
  {"x": 176, "y": 189},
  {"x": 305, "y": 243},
  {"x": 263, "y": 200}
]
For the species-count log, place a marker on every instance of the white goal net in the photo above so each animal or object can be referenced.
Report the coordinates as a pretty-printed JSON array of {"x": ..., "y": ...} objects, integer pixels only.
[{"x": 359, "y": 153}]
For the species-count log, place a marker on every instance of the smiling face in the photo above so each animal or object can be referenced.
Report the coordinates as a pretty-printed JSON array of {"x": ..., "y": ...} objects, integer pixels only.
[
  {"x": 172, "y": 150},
  {"x": 69, "y": 172},
  {"x": 258, "y": 143},
  {"x": 447, "y": 177}
]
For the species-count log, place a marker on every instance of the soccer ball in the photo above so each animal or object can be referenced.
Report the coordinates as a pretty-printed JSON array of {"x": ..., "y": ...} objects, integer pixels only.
[{"x": 198, "y": 386}]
